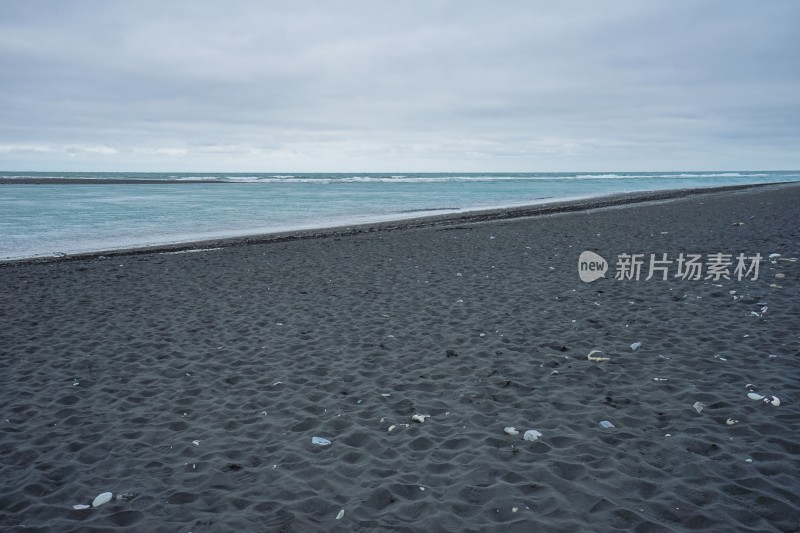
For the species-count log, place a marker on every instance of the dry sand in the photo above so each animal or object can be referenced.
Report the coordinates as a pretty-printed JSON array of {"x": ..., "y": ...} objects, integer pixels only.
[{"x": 191, "y": 384}]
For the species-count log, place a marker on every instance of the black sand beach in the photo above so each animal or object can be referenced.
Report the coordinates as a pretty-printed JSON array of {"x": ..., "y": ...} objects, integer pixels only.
[{"x": 190, "y": 385}]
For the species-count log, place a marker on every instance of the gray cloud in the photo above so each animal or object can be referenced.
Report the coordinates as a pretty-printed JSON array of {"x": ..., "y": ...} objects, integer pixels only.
[{"x": 363, "y": 85}]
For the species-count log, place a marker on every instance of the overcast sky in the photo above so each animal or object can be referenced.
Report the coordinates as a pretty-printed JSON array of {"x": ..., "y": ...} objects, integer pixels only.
[{"x": 408, "y": 86}]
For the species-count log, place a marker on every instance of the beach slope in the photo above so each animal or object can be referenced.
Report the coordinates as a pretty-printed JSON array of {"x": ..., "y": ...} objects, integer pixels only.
[{"x": 191, "y": 385}]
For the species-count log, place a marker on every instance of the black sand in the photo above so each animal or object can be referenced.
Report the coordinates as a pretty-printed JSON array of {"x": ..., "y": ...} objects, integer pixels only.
[{"x": 114, "y": 366}]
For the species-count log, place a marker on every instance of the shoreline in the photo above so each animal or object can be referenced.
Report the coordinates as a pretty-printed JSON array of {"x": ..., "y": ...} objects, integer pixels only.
[{"x": 437, "y": 220}]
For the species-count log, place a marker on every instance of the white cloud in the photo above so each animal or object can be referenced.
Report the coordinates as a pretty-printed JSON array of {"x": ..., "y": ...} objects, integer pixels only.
[{"x": 365, "y": 85}]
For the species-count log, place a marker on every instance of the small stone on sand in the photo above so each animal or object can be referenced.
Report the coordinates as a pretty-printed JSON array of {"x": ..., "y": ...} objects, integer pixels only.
[
  {"x": 532, "y": 435},
  {"x": 102, "y": 498}
]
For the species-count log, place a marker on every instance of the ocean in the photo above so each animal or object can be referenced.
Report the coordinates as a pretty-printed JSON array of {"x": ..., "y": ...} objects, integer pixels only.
[{"x": 67, "y": 213}]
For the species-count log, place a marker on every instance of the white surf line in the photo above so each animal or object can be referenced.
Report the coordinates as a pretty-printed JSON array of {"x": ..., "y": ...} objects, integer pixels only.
[{"x": 194, "y": 250}]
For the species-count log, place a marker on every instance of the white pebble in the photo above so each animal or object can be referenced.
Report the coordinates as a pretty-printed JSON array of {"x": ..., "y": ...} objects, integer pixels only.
[
  {"x": 102, "y": 498},
  {"x": 340, "y": 515},
  {"x": 532, "y": 435},
  {"x": 80, "y": 506}
]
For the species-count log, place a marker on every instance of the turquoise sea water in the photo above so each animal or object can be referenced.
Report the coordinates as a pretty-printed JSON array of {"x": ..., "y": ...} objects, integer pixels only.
[{"x": 54, "y": 218}]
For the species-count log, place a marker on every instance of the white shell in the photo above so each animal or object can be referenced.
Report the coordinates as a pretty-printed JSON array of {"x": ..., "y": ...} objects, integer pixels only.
[
  {"x": 606, "y": 424},
  {"x": 532, "y": 435},
  {"x": 601, "y": 357},
  {"x": 698, "y": 406},
  {"x": 391, "y": 427},
  {"x": 773, "y": 400},
  {"x": 420, "y": 418},
  {"x": 319, "y": 441},
  {"x": 731, "y": 421},
  {"x": 340, "y": 515},
  {"x": 754, "y": 396},
  {"x": 101, "y": 499},
  {"x": 636, "y": 345},
  {"x": 511, "y": 431}
]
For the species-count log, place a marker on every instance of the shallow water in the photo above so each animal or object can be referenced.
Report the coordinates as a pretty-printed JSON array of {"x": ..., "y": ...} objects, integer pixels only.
[{"x": 52, "y": 218}]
